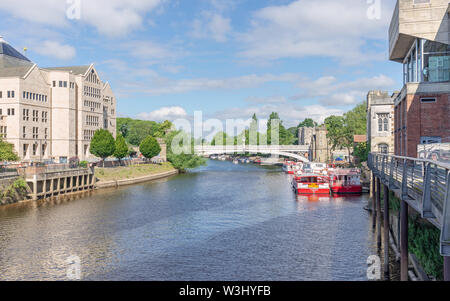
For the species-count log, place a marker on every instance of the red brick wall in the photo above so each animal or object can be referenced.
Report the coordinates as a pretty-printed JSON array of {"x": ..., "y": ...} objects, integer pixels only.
[{"x": 422, "y": 119}]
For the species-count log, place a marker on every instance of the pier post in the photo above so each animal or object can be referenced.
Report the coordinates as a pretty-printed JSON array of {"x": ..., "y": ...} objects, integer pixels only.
[
  {"x": 378, "y": 198},
  {"x": 386, "y": 232},
  {"x": 374, "y": 211},
  {"x": 446, "y": 268},
  {"x": 404, "y": 240}
]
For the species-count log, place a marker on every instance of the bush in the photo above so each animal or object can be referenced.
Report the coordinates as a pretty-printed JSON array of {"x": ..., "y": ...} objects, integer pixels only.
[
  {"x": 84, "y": 164},
  {"x": 150, "y": 148},
  {"x": 102, "y": 144},
  {"x": 121, "y": 150}
]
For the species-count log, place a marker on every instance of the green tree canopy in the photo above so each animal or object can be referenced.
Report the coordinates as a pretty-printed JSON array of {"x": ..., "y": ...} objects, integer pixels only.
[
  {"x": 7, "y": 152},
  {"x": 308, "y": 123},
  {"x": 135, "y": 131},
  {"x": 102, "y": 144},
  {"x": 342, "y": 129},
  {"x": 285, "y": 137},
  {"x": 121, "y": 149},
  {"x": 149, "y": 147},
  {"x": 187, "y": 159}
]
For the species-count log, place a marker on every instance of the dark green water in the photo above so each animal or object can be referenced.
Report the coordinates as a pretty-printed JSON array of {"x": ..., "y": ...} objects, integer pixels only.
[{"x": 220, "y": 222}]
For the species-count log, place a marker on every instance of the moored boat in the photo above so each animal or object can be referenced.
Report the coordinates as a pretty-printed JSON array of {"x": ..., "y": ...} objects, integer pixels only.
[
  {"x": 311, "y": 184},
  {"x": 288, "y": 167},
  {"x": 346, "y": 181}
]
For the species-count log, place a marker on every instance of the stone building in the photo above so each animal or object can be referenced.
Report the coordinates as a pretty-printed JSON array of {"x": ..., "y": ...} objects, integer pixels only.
[
  {"x": 380, "y": 121},
  {"x": 321, "y": 148},
  {"x": 419, "y": 39},
  {"x": 305, "y": 135},
  {"x": 52, "y": 113}
]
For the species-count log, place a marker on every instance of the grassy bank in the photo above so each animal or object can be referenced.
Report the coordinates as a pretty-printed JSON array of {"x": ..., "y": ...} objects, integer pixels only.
[{"x": 130, "y": 172}]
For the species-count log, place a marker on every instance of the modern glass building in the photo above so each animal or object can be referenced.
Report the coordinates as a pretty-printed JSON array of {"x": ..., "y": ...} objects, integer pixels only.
[{"x": 419, "y": 39}]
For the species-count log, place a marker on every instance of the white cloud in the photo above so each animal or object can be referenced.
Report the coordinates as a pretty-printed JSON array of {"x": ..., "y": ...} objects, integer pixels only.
[
  {"x": 337, "y": 29},
  {"x": 109, "y": 17},
  {"x": 55, "y": 49},
  {"x": 329, "y": 91},
  {"x": 165, "y": 113},
  {"x": 211, "y": 26},
  {"x": 290, "y": 114},
  {"x": 266, "y": 100},
  {"x": 166, "y": 86}
]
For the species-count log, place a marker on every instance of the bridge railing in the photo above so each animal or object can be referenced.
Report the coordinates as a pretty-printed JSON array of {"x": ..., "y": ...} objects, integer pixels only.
[{"x": 423, "y": 184}]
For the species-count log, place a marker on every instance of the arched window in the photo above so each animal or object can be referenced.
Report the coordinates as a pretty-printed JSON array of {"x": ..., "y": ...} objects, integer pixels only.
[
  {"x": 386, "y": 125},
  {"x": 383, "y": 148}
]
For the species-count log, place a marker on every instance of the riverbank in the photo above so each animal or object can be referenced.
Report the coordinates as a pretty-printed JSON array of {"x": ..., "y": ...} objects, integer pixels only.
[{"x": 129, "y": 175}]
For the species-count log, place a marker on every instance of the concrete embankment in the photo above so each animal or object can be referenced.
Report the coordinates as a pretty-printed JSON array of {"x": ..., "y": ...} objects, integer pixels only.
[{"x": 132, "y": 181}]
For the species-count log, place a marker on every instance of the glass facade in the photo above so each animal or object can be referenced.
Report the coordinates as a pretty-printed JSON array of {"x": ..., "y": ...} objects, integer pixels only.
[{"x": 427, "y": 61}]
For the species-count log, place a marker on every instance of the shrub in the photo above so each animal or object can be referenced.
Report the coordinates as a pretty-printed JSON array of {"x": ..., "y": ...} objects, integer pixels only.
[
  {"x": 150, "y": 148},
  {"x": 102, "y": 144}
]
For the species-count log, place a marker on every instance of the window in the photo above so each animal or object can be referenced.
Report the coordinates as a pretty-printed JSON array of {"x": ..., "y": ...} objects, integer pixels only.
[
  {"x": 65, "y": 84},
  {"x": 1, "y": 94},
  {"x": 25, "y": 150},
  {"x": 60, "y": 83},
  {"x": 3, "y": 131},
  {"x": 54, "y": 84},
  {"x": 11, "y": 112},
  {"x": 383, "y": 122},
  {"x": 24, "y": 132},
  {"x": 383, "y": 148},
  {"x": 34, "y": 149},
  {"x": 428, "y": 100}
]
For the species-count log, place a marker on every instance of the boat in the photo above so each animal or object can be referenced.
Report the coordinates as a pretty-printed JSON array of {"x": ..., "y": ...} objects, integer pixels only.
[
  {"x": 235, "y": 161},
  {"x": 311, "y": 183},
  {"x": 288, "y": 167},
  {"x": 257, "y": 161},
  {"x": 346, "y": 181},
  {"x": 317, "y": 168}
]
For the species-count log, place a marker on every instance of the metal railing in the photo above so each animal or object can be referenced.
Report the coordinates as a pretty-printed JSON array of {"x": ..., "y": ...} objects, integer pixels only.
[{"x": 423, "y": 184}]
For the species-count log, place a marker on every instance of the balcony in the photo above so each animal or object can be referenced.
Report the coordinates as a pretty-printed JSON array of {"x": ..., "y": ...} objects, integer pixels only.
[{"x": 410, "y": 21}]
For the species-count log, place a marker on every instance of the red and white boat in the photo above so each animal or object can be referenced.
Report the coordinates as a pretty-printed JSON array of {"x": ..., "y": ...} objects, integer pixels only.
[
  {"x": 288, "y": 167},
  {"x": 311, "y": 184},
  {"x": 346, "y": 181}
]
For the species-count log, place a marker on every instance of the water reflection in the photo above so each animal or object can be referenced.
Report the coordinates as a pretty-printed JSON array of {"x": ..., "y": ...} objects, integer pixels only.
[{"x": 221, "y": 222}]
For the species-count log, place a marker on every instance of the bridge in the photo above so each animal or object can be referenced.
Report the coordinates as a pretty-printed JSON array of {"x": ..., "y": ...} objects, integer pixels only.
[
  {"x": 291, "y": 151},
  {"x": 423, "y": 186}
]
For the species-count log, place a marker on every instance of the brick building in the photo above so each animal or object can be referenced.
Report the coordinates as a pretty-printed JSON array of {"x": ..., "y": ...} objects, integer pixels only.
[{"x": 419, "y": 39}]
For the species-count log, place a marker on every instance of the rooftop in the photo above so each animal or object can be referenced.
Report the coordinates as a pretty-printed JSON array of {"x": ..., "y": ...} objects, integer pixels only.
[{"x": 12, "y": 62}]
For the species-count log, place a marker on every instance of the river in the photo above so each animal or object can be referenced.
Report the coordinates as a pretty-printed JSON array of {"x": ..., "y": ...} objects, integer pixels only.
[{"x": 221, "y": 222}]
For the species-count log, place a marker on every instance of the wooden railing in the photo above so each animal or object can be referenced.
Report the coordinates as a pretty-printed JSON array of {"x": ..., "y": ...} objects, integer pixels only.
[{"x": 423, "y": 184}]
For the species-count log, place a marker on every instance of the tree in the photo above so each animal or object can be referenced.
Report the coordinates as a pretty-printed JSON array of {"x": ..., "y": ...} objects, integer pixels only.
[
  {"x": 7, "y": 152},
  {"x": 102, "y": 144},
  {"x": 183, "y": 161},
  {"x": 342, "y": 129},
  {"x": 149, "y": 147},
  {"x": 308, "y": 123},
  {"x": 121, "y": 148},
  {"x": 285, "y": 137},
  {"x": 220, "y": 138}
]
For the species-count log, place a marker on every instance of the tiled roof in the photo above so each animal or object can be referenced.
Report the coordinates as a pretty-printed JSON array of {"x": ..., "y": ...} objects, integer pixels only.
[{"x": 77, "y": 70}]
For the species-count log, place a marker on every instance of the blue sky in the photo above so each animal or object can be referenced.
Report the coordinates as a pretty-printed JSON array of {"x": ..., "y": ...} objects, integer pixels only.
[{"x": 166, "y": 59}]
